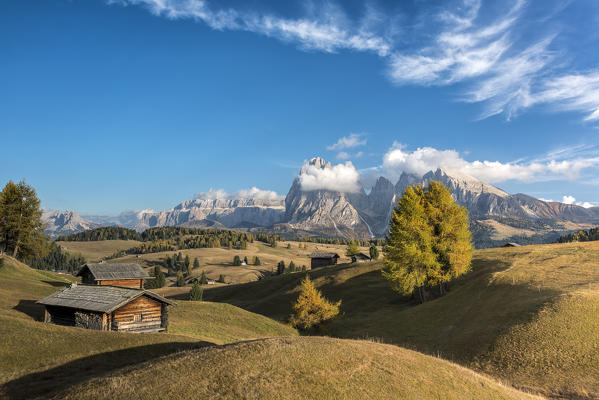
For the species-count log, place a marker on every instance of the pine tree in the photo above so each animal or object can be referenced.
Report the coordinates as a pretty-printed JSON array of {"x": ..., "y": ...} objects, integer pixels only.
[
  {"x": 245, "y": 260},
  {"x": 21, "y": 228},
  {"x": 289, "y": 245},
  {"x": 187, "y": 263},
  {"x": 180, "y": 279},
  {"x": 291, "y": 266},
  {"x": 221, "y": 278},
  {"x": 236, "y": 261},
  {"x": 257, "y": 261},
  {"x": 281, "y": 267},
  {"x": 311, "y": 308},
  {"x": 196, "y": 293},
  {"x": 196, "y": 263},
  {"x": 428, "y": 242},
  {"x": 374, "y": 252},
  {"x": 203, "y": 278},
  {"x": 352, "y": 249}
]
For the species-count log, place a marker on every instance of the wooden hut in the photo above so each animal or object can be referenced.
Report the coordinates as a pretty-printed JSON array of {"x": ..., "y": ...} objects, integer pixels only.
[
  {"x": 107, "y": 308},
  {"x": 511, "y": 244},
  {"x": 128, "y": 275},
  {"x": 323, "y": 259},
  {"x": 360, "y": 257}
]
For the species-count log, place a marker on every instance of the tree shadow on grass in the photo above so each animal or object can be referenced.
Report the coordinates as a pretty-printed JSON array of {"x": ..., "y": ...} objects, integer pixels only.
[
  {"x": 30, "y": 308},
  {"x": 56, "y": 283},
  {"x": 53, "y": 381}
]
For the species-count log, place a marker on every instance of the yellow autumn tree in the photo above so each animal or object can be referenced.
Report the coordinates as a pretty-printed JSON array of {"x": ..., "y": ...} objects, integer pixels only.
[
  {"x": 311, "y": 308},
  {"x": 429, "y": 242}
]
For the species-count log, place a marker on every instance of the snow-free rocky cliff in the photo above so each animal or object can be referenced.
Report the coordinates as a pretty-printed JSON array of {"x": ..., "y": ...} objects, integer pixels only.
[{"x": 336, "y": 213}]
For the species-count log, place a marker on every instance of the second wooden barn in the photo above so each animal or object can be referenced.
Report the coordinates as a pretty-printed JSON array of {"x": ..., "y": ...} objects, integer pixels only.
[{"x": 107, "y": 308}]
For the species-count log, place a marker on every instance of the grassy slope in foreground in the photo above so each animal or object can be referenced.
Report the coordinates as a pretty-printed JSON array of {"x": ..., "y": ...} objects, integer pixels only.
[
  {"x": 38, "y": 358},
  {"x": 529, "y": 315},
  {"x": 297, "y": 368}
]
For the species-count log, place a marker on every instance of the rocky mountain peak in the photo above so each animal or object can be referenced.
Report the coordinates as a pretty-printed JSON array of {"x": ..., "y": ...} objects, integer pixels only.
[{"x": 317, "y": 162}]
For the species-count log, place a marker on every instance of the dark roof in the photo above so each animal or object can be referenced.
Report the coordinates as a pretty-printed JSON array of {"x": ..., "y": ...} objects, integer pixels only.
[
  {"x": 106, "y": 271},
  {"x": 97, "y": 298},
  {"x": 362, "y": 256},
  {"x": 511, "y": 244},
  {"x": 324, "y": 255}
]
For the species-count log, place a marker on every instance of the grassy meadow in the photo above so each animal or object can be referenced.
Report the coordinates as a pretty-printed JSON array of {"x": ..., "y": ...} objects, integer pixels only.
[
  {"x": 97, "y": 250},
  {"x": 219, "y": 261},
  {"x": 298, "y": 368},
  {"x": 525, "y": 316},
  {"x": 41, "y": 359},
  {"x": 528, "y": 315}
]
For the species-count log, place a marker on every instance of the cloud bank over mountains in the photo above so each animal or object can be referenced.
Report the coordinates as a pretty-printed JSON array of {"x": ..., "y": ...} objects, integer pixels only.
[
  {"x": 499, "y": 53},
  {"x": 251, "y": 193}
]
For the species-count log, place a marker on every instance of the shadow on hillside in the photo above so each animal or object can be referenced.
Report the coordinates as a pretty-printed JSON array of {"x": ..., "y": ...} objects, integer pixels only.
[
  {"x": 56, "y": 284},
  {"x": 30, "y": 308},
  {"x": 51, "y": 382},
  {"x": 462, "y": 326}
]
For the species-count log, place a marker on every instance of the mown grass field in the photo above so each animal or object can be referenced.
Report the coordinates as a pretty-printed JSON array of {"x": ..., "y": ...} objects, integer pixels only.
[
  {"x": 96, "y": 250},
  {"x": 42, "y": 359},
  {"x": 297, "y": 368},
  {"x": 529, "y": 315}
]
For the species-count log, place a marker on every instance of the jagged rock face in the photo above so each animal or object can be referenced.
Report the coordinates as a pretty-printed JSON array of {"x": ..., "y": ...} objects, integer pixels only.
[
  {"x": 324, "y": 211},
  {"x": 230, "y": 213},
  {"x": 64, "y": 222}
]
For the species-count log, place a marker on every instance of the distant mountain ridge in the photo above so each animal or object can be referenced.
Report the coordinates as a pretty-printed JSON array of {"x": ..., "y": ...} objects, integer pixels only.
[{"x": 494, "y": 213}]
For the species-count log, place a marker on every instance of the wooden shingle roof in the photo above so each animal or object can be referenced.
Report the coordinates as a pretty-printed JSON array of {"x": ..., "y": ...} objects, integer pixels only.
[
  {"x": 324, "y": 255},
  {"x": 115, "y": 271},
  {"x": 362, "y": 256},
  {"x": 97, "y": 298}
]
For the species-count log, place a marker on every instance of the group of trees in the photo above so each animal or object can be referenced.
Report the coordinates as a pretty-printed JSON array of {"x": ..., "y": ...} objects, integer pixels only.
[
  {"x": 159, "y": 279},
  {"x": 103, "y": 233},
  {"x": 282, "y": 269},
  {"x": 352, "y": 249},
  {"x": 343, "y": 241},
  {"x": 580, "y": 236},
  {"x": 429, "y": 242},
  {"x": 53, "y": 258}
]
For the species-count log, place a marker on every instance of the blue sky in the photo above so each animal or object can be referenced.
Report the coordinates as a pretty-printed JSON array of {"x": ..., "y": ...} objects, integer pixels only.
[{"x": 128, "y": 104}]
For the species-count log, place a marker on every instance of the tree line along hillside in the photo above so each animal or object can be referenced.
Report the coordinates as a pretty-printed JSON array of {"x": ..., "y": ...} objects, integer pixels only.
[{"x": 580, "y": 236}]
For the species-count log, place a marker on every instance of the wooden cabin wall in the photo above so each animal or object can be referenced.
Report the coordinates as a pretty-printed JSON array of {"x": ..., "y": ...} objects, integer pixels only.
[
  {"x": 128, "y": 283},
  {"x": 146, "y": 310}
]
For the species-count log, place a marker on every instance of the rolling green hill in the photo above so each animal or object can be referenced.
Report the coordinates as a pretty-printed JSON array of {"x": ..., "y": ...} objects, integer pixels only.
[
  {"x": 38, "y": 358},
  {"x": 528, "y": 315},
  {"x": 297, "y": 368}
]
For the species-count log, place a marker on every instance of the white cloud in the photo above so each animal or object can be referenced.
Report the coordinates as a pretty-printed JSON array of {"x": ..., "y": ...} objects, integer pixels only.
[
  {"x": 501, "y": 66},
  {"x": 424, "y": 159},
  {"x": 343, "y": 155},
  {"x": 572, "y": 200},
  {"x": 568, "y": 200},
  {"x": 340, "y": 178},
  {"x": 251, "y": 193},
  {"x": 327, "y": 29},
  {"x": 348, "y": 142},
  {"x": 573, "y": 92}
]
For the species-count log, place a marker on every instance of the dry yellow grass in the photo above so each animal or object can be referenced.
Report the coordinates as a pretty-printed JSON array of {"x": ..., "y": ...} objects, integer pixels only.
[
  {"x": 297, "y": 368},
  {"x": 95, "y": 251},
  {"x": 529, "y": 315},
  {"x": 218, "y": 261}
]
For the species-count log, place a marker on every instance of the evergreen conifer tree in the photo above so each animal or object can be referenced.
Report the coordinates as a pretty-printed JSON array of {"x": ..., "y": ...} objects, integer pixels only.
[
  {"x": 374, "y": 252},
  {"x": 203, "y": 278},
  {"x": 196, "y": 293},
  {"x": 352, "y": 249},
  {"x": 196, "y": 263}
]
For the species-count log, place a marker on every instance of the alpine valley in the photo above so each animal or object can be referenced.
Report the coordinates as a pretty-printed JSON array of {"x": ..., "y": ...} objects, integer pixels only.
[{"x": 496, "y": 217}]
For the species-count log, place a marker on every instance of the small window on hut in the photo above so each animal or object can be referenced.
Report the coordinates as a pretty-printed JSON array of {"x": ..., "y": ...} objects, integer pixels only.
[{"x": 136, "y": 317}]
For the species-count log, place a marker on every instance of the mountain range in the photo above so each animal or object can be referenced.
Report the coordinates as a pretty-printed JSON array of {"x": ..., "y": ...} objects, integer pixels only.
[{"x": 495, "y": 215}]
